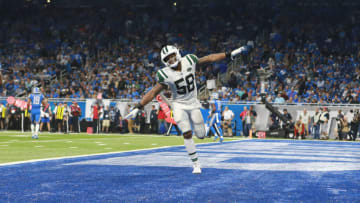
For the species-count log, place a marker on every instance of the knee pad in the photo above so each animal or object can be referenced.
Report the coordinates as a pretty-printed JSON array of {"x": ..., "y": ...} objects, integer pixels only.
[
  {"x": 200, "y": 131},
  {"x": 198, "y": 124},
  {"x": 182, "y": 120}
]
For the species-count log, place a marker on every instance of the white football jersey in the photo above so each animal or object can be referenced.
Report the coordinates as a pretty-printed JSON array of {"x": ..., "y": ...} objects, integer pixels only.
[{"x": 181, "y": 83}]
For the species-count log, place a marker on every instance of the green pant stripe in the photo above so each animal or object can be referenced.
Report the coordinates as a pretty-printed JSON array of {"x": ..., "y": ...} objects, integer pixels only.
[
  {"x": 192, "y": 154},
  {"x": 193, "y": 160}
]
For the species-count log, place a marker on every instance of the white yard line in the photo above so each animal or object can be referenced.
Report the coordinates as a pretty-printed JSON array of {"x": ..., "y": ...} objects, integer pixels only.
[
  {"x": 68, "y": 140},
  {"x": 88, "y": 155}
]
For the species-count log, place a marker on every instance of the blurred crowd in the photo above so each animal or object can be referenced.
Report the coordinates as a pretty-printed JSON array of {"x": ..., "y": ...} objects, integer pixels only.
[
  {"x": 316, "y": 124},
  {"x": 312, "y": 51}
]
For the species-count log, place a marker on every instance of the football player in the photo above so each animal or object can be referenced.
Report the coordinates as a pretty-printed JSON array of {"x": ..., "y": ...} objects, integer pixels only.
[
  {"x": 179, "y": 76},
  {"x": 214, "y": 123},
  {"x": 35, "y": 99}
]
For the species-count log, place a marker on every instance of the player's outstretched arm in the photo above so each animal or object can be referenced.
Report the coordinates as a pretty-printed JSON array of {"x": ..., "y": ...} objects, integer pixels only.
[
  {"x": 212, "y": 58},
  {"x": 151, "y": 94},
  {"x": 146, "y": 99},
  {"x": 220, "y": 56}
]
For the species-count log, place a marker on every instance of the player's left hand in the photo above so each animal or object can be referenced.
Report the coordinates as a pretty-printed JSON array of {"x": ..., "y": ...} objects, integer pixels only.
[{"x": 237, "y": 51}]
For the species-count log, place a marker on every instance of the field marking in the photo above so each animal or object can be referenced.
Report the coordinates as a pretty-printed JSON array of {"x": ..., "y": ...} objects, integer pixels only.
[
  {"x": 18, "y": 135},
  {"x": 39, "y": 146},
  {"x": 67, "y": 140},
  {"x": 73, "y": 147},
  {"x": 96, "y": 154},
  {"x": 102, "y": 144},
  {"x": 23, "y": 135},
  {"x": 4, "y": 145},
  {"x": 154, "y": 144},
  {"x": 106, "y": 135},
  {"x": 126, "y": 143},
  {"x": 118, "y": 152},
  {"x": 109, "y": 136}
]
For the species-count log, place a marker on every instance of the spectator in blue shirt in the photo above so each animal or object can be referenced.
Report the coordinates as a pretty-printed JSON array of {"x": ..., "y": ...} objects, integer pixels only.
[{"x": 279, "y": 99}]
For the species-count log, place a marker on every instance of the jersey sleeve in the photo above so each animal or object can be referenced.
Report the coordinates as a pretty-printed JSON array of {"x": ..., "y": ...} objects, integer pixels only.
[
  {"x": 192, "y": 59},
  {"x": 161, "y": 76}
]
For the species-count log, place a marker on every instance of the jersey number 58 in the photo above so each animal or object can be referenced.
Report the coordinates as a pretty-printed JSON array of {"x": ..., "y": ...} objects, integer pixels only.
[{"x": 189, "y": 84}]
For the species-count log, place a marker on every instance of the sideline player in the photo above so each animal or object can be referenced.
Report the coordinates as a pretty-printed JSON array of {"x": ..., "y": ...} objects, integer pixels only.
[
  {"x": 214, "y": 123},
  {"x": 179, "y": 75},
  {"x": 35, "y": 99}
]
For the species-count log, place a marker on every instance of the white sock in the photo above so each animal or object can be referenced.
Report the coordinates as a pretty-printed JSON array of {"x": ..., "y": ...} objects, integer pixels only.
[
  {"x": 191, "y": 149},
  {"x": 206, "y": 130},
  {"x": 37, "y": 129},
  {"x": 32, "y": 129}
]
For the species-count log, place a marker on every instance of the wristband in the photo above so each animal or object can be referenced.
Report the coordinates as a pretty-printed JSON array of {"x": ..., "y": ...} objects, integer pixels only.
[{"x": 228, "y": 55}]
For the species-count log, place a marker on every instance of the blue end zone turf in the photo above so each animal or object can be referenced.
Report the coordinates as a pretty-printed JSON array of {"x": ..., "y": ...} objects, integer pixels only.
[{"x": 254, "y": 171}]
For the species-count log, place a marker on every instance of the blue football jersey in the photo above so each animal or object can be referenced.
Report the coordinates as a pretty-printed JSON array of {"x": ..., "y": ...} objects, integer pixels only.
[
  {"x": 36, "y": 100},
  {"x": 217, "y": 104}
]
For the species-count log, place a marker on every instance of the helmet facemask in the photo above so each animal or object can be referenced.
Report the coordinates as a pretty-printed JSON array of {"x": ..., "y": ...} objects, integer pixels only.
[{"x": 167, "y": 56}]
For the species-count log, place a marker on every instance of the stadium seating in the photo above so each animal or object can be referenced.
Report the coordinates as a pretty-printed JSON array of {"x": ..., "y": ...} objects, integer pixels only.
[{"x": 116, "y": 52}]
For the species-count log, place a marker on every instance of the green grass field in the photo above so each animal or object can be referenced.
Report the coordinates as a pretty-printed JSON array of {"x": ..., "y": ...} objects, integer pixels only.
[{"x": 17, "y": 146}]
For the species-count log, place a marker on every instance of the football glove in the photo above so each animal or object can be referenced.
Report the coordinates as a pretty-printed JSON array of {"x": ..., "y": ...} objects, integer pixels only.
[
  {"x": 134, "y": 112},
  {"x": 235, "y": 52}
]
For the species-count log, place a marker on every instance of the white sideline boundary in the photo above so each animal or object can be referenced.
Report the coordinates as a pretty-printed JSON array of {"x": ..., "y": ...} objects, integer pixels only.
[
  {"x": 119, "y": 152},
  {"x": 88, "y": 155},
  {"x": 67, "y": 139}
]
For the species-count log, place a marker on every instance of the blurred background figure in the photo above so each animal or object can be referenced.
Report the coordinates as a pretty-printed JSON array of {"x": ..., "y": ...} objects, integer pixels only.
[
  {"x": 228, "y": 116},
  {"x": 76, "y": 112},
  {"x": 45, "y": 115}
]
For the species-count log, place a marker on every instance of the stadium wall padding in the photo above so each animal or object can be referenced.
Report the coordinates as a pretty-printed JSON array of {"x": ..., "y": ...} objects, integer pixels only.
[{"x": 262, "y": 121}]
